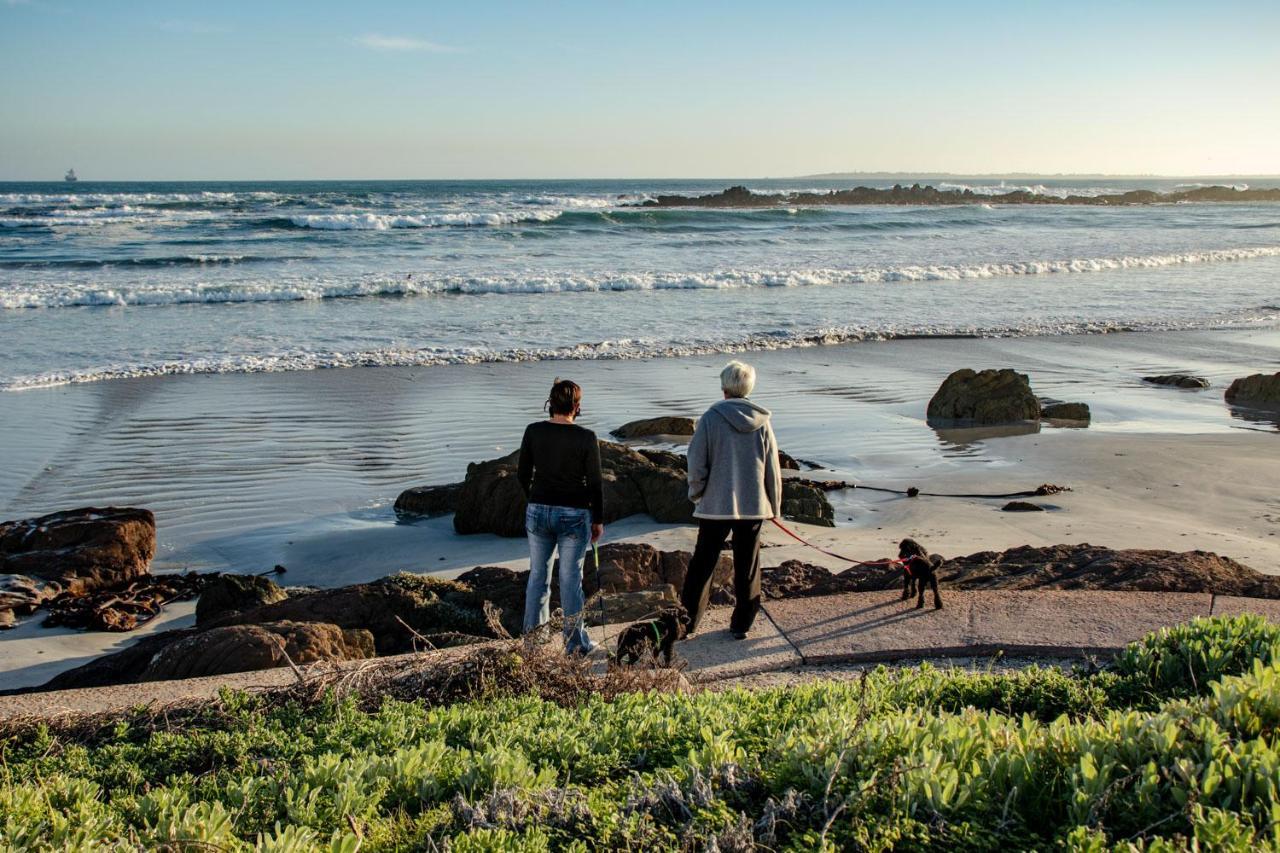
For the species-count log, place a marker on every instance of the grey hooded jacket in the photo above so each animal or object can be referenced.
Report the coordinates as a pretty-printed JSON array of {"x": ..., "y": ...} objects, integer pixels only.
[{"x": 733, "y": 463}]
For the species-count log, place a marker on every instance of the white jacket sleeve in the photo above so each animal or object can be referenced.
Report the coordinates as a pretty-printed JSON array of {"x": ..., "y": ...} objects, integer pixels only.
[
  {"x": 772, "y": 472},
  {"x": 699, "y": 461}
]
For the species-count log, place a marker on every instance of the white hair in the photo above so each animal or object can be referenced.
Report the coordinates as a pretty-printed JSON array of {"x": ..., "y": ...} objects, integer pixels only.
[{"x": 737, "y": 379}]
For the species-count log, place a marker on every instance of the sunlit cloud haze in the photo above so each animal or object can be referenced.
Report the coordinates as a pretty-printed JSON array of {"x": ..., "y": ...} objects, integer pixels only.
[
  {"x": 172, "y": 90},
  {"x": 380, "y": 42}
]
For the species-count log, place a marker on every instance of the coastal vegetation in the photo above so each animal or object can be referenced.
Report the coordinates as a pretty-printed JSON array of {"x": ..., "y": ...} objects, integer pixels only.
[{"x": 1175, "y": 744}]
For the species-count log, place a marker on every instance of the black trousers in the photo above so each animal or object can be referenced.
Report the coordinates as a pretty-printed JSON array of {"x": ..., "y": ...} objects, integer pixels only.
[{"x": 712, "y": 534}]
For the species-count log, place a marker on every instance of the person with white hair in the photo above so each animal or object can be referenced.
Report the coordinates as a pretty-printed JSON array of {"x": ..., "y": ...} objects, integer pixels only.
[{"x": 735, "y": 483}]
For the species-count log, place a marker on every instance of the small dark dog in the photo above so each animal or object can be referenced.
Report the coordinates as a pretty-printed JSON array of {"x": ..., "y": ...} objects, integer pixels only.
[
  {"x": 655, "y": 636},
  {"x": 920, "y": 569}
]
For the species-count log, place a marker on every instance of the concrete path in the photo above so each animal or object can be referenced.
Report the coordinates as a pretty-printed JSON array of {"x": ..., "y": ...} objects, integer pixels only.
[{"x": 798, "y": 632}]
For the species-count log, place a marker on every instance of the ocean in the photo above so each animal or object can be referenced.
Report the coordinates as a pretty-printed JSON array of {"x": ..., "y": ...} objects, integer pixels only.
[
  {"x": 103, "y": 281},
  {"x": 161, "y": 342}
]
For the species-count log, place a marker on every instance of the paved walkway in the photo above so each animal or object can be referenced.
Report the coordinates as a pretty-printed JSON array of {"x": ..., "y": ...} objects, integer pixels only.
[{"x": 798, "y": 632}]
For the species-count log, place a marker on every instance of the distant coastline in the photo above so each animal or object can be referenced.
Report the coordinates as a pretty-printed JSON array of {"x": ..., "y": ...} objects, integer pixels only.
[
  {"x": 740, "y": 196},
  {"x": 1024, "y": 176}
]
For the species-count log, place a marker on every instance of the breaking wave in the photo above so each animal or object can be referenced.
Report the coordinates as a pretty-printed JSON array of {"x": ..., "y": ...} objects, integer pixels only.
[
  {"x": 95, "y": 199},
  {"x": 1033, "y": 189},
  {"x": 133, "y": 263},
  {"x": 388, "y": 221},
  {"x": 631, "y": 348},
  {"x": 25, "y": 296}
]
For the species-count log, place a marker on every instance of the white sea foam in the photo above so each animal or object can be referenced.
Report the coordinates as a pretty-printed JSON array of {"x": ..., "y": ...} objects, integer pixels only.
[
  {"x": 1199, "y": 186},
  {"x": 571, "y": 202},
  {"x": 386, "y": 222},
  {"x": 98, "y": 216},
  {"x": 99, "y": 198},
  {"x": 24, "y": 296},
  {"x": 1034, "y": 189},
  {"x": 621, "y": 349}
]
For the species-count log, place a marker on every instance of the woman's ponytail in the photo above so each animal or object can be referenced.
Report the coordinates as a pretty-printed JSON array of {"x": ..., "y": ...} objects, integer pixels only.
[{"x": 565, "y": 398}]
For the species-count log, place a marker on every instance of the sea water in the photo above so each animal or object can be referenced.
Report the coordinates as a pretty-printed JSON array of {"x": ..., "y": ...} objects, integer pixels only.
[
  {"x": 133, "y": 315},
  {"x": 100, "y": 281}
]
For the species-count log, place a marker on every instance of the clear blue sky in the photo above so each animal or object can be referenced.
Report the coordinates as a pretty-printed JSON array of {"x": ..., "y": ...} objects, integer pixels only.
[{"x": 266, "y": 89}]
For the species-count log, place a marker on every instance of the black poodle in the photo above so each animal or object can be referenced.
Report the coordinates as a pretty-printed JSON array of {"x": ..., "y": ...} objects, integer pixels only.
[{"x": 920, "y": 568}]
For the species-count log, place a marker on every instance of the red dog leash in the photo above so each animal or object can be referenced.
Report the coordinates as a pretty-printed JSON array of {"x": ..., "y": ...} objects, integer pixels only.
[{"x": 809, "y": 544}]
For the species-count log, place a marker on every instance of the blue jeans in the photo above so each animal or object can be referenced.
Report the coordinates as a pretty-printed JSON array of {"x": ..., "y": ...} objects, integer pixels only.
[{"x": 569, "y": 529}]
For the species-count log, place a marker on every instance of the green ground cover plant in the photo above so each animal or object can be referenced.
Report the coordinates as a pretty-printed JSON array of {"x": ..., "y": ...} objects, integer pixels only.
[{"x": 1173, "y": 746}]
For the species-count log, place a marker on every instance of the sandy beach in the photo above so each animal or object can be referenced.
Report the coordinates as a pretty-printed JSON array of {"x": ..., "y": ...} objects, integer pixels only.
[{"x": 245, "y": 472}]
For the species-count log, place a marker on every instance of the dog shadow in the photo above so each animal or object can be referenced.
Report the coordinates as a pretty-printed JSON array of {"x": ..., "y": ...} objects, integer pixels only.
[{"x": 870, "y": 624}]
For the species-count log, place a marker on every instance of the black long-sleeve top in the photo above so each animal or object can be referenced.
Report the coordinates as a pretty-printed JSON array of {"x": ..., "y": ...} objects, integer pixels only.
[{"x": 560, "y": 466}]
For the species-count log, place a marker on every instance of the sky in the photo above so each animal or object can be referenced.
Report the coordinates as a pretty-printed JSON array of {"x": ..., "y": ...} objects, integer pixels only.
[{"x": 274, "y": 89}]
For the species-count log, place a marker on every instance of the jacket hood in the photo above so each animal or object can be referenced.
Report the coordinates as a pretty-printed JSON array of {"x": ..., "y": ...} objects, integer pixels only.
[{"x": 741, "y": 414}]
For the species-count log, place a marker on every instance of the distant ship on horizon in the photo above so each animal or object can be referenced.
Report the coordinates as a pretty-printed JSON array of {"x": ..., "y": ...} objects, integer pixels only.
[{"x": 70, "y": 176}]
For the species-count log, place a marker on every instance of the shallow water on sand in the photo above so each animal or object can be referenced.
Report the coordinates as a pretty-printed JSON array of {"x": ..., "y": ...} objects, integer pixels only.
[{"x": 226, "y": 460}]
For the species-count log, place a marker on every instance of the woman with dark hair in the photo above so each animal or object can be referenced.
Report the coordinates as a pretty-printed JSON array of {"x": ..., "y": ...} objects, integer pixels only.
[{"x": 560, "y": 474}]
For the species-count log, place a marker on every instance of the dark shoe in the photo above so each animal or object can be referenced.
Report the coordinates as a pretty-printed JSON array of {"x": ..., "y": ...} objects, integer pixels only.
[
  {"x": 739, "y": 635},
  {"x": 937, "y": 605},
  {"x": 920, "y": 604}
]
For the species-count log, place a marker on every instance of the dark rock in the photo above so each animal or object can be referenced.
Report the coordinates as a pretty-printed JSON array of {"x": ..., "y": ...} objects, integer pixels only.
[
  {"x": 807, "y": 503},
  {"x": 123, "y": 667},
  {"x": 1065, "y": 411},
  {"x": 505, "y": 589},
  {"x": 429, "y": 501},
  {"x": 788, "y": 462},
  {"x": 739, "y": 196},
  {"x": 650, "y": 427},
  {"x": 631, "y": 566},
  {"x": 1053, "y": 567},
  {"x": 1094, "y": 567},
  {"x": 230, "y": 594},
  {"x": 1258, "y": 390},
  {"x": 242, "y": 648},
  {"x": 793, "y": 578},
  {"x": 392, "y": 609},
  {"x": 985, "y": 397},
  {"x": 1021, "y": 506},
  {"x": 491, "y": 500},
  {"x": 652, "y": 482},
  {"x": 80, "y": 550},
  {"x": 1178, "y": 380}
]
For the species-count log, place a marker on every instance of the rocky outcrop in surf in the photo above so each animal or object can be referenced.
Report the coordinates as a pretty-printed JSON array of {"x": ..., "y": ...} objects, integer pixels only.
[
  {"x": 1260, "y": 390},
  {"x": 652, "y": 427},
  {"x": 636, "y": 481},
  {"x": 1178, "y": 380},
  {"x": 995, "y": 397},
  {"x": 984, "y": 397},
  {"x": 740, "y": 196}
]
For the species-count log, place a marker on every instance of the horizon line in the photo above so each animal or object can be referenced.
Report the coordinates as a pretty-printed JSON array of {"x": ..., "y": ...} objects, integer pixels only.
[{"x": 879, "y": 174}]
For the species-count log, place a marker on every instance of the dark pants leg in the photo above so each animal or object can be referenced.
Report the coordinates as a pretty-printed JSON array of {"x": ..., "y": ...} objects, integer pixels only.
[
  {"x": 697, "y": 580},
  {"x": 746, "y": 574}
]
